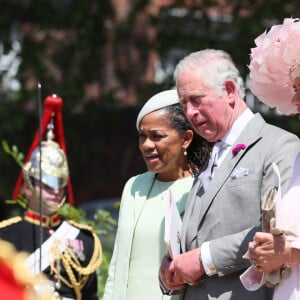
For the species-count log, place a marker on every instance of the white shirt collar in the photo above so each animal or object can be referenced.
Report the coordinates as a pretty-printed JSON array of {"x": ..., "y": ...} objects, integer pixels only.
[{"x": 237, "y": 127}]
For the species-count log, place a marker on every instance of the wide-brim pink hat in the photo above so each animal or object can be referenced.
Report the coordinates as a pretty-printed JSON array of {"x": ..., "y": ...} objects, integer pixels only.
[{"x": 275, "y": 64}]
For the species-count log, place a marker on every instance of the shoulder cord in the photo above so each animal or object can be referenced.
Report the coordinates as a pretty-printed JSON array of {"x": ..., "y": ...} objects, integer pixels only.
[{"x": 71, "y": 263}]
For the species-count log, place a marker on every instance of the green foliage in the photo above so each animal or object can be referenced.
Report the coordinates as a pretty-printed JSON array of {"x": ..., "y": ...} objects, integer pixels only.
[
  {"x": 102, "y": 218},
  {"x": 70, "y": 212},
  {"x": 14, "y": 152},
  {"x": 22, "y": 201}
]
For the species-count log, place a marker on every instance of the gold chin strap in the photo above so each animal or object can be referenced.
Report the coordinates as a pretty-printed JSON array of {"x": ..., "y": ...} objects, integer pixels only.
[{"x": 54, "y": 206}]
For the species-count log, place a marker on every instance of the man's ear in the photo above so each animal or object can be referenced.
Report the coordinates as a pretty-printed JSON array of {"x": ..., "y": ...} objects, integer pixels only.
[{"x": 230, "y": 89}]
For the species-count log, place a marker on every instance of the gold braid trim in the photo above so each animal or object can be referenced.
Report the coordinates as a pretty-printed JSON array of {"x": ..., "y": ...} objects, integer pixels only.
[
  {"x": 71, "y": 263},
  {"x": 96, "y": 258},
  {"x": 8, "y": 222},
  {"x": 81, "y": 226}
]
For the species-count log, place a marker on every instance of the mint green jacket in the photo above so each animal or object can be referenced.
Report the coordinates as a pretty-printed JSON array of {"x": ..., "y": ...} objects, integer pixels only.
[{"x": 133, "y": 199}]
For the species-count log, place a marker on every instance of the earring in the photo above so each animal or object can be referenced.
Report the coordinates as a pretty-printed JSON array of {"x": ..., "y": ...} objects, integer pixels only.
[{"x": 185, "y": 153}]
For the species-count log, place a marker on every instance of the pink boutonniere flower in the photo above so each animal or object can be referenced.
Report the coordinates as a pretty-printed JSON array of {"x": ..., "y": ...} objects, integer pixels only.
[{"x": 237, "y": 148}]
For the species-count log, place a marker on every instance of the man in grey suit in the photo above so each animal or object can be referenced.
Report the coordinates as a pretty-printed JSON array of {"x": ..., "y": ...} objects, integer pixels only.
[{"x": 223, "y": 208}]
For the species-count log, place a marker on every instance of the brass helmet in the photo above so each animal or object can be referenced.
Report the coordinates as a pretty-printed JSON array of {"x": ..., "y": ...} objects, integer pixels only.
[
  {"x": 54, "y": 166},
  {"x": 55, "y": 171},
  {"x": 51, "y": 161}
]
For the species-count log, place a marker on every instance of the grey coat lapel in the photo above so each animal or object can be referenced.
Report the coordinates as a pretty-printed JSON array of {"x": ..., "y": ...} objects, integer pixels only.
[
  {"x": 250, "y": 135},
  {"x": 190, "y": 205}
]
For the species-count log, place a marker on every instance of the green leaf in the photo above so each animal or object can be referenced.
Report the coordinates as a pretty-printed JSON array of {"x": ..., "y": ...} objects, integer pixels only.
[
  {"x": 14, "y": 152},
  {"x": 5, "y": 146},
  {"x": 20, "y": 156},
  {"x": 14, "y": 149}
]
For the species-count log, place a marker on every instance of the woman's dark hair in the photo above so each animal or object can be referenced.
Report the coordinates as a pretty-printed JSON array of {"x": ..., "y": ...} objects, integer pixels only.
[{"x": 199, "y": 150}]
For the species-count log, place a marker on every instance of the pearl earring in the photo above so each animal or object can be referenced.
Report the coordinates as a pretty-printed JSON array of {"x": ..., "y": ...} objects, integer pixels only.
[{"x": 185, "y": 153}]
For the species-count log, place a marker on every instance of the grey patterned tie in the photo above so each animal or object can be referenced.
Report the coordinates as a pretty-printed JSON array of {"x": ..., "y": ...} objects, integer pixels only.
[{"x": 206, "y": 176}]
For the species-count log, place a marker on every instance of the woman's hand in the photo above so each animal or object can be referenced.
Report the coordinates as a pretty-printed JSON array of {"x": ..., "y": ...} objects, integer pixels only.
[{"x": 269, "y": 252}]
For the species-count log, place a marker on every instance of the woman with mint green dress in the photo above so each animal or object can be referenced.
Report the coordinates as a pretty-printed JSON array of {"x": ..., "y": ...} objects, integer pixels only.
[{"x": 174, "y": 154}]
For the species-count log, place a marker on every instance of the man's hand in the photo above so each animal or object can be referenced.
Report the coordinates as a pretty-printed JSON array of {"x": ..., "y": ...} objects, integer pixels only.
[
  {"x": 188, "y": 268},
  {"x": 166, "y": 275},
  {"x": 184, "y": 269},
  {"x": 270, "y": 252}
]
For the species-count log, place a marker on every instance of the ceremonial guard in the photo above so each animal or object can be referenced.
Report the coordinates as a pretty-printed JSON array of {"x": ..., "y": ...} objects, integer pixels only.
[{"x": 68, "y": 253}]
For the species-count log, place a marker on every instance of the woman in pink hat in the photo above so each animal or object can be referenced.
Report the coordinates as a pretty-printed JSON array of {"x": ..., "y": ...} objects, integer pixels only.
[{"x": 275, "y": 79}]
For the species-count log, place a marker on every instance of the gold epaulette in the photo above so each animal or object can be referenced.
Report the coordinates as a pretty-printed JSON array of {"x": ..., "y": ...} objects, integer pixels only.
[
  {"x": 80, "y": 226},
  {"x": 8, "y": 222}
]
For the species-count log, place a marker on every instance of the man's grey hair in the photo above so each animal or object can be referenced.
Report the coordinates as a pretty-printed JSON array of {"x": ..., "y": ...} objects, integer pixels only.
[{"x": 216, "y": 66}]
